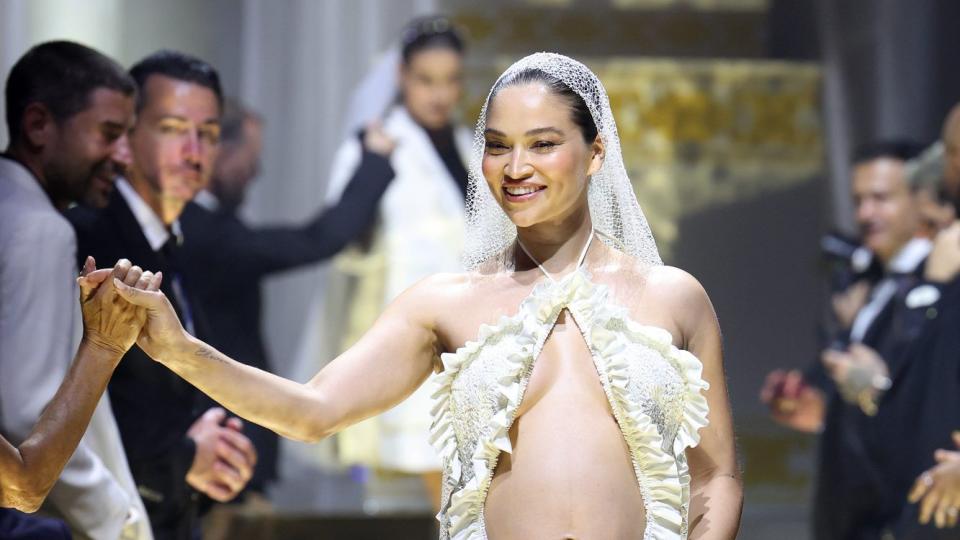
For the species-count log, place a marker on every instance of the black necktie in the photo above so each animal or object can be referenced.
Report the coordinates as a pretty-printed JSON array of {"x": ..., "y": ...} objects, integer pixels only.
[{"x": 170, "y": 251}]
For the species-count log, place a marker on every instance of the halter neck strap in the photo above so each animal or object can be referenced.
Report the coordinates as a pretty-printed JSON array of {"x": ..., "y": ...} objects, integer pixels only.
[{"x": 583, "y": 256}]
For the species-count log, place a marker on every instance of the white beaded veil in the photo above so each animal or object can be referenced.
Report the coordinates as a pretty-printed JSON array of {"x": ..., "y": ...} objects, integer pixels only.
[{"x": 614, "y": 209}]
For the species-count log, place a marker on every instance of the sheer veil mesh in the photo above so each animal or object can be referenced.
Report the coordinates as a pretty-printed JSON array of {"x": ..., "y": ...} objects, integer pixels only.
[{"x": 614, "y": 209}]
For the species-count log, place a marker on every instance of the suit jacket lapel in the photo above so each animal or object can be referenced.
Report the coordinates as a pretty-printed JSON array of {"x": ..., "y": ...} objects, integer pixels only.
[
  {"x": 137, "y": 249},
  {"x": 131, "y": 235}
]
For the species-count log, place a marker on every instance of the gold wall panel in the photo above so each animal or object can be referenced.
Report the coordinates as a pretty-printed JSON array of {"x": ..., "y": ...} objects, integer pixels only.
[{"x": 649, "y": 28}]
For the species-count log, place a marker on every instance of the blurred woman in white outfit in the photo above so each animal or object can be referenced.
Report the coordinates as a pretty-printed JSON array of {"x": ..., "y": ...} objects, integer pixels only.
[{"x": 419, "y": 230}]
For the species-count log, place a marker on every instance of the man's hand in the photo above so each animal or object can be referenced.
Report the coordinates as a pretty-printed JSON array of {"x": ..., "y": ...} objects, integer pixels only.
[
  {"x": 162, "y": 330},
  {"x": 938, "y": 489},
  {"x": 943, "y": 264},
  {"x": 110, "y": 323},
  {"x": 860, "y": 374},
  {"x": 793, "y": 402},
  {"x": 225, "y": 458}
]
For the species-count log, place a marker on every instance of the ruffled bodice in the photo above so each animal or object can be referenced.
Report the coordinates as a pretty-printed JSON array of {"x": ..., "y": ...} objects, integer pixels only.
[{"x": 654, "y": 390}]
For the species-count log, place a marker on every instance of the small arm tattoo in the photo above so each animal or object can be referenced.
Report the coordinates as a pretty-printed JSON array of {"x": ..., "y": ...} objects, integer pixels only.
[{"x": 205, "y": 352}]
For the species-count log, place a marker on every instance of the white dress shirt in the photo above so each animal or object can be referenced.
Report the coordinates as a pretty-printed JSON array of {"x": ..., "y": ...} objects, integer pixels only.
[
  {"x": 153, "y": 228},
  {"x": 157, "y": 235},
  {"x": 905, "y": 261}
]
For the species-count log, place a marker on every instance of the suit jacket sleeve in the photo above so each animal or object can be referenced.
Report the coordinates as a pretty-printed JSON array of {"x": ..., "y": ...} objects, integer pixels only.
[
  {"x": 271, "y": 249},
  {"x": 38, "y": 344},
  {"x": 156, "y": 407},
  {"x": 950, "y": 291}
]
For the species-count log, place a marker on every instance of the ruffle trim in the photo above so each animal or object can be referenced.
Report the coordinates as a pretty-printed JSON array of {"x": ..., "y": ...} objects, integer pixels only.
[
  {"x": 464, "y": 506},
  {"x": 664, "y": 480},
  {"x": 663, "y": 476}
]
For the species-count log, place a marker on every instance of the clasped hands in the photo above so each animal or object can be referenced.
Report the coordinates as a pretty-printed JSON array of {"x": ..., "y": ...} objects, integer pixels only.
[
  {"x": 110, "y": 323},
  {"x": 124, "y": 305}
]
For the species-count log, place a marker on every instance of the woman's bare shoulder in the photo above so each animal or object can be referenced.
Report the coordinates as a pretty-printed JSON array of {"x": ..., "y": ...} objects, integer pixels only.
[
  {"x": 668, "y": 284},
  {"x": 674, "y": 284},
  {"x": 667, "y": 289},
  {"x": 438, "y": 293},
  {"x": 684, "y": 297}
]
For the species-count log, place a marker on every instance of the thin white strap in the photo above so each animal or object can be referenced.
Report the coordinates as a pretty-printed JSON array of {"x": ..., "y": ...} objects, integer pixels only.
[{"x": 583, "y": 256}]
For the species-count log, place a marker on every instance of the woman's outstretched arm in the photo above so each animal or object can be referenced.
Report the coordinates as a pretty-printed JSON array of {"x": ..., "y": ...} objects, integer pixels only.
[{"x": 388, "y": 363}]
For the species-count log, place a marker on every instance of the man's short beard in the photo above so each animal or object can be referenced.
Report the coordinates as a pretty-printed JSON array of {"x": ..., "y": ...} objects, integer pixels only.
[{"x": 62, "y": 186}]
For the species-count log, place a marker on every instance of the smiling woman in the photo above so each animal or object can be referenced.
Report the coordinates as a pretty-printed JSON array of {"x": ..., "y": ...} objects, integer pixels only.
[
  {"x": 579, "y": 409},
  {"x": 550, "y": 158},
  {"x": 549, "y": 165}
]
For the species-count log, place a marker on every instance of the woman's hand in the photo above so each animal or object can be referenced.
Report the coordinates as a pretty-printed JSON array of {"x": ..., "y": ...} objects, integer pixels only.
[
  {"x": 110, "y": 323},
  {"x": 376, "y": 140},
  {"x": 938, "y": 489},
  {"x": 162, "y": 331}
]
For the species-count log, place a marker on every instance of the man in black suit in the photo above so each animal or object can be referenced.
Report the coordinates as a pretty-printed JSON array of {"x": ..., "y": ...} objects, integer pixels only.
[
  {"x": 922, "y": 408},
  {"x": 855, "y": 499},
  {"x": 226, "y": 260},
  {"x": 175, "y": 449}
]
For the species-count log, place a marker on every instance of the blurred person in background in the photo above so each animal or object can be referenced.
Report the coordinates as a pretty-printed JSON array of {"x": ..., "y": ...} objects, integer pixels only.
[
  {"x": 796, "y": 398},
  {"x": 226, "y": 260},
  {"x": 926, "y": 176},
  {"x": 921, "y": 410},
  {"x": 418, "y": 230},
  {"x": 853, "y": 497},
  {"x": 929, "y": 379}
]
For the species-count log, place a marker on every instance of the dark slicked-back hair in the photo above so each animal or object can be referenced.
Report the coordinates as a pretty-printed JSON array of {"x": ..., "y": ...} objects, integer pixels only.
[
  {"x": 232, "y": 120},
  {"x": 900, "y": 149},
  {"x": 175, "y": 65},
  {"x": 431, "y": 32},
  {"x": 61, "y": 75},
  {"x": 579, "y": 110}
]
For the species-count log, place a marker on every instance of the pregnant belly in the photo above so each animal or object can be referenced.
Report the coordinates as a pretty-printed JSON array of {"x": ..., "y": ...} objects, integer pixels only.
[{"x": 570, "y": 477}]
